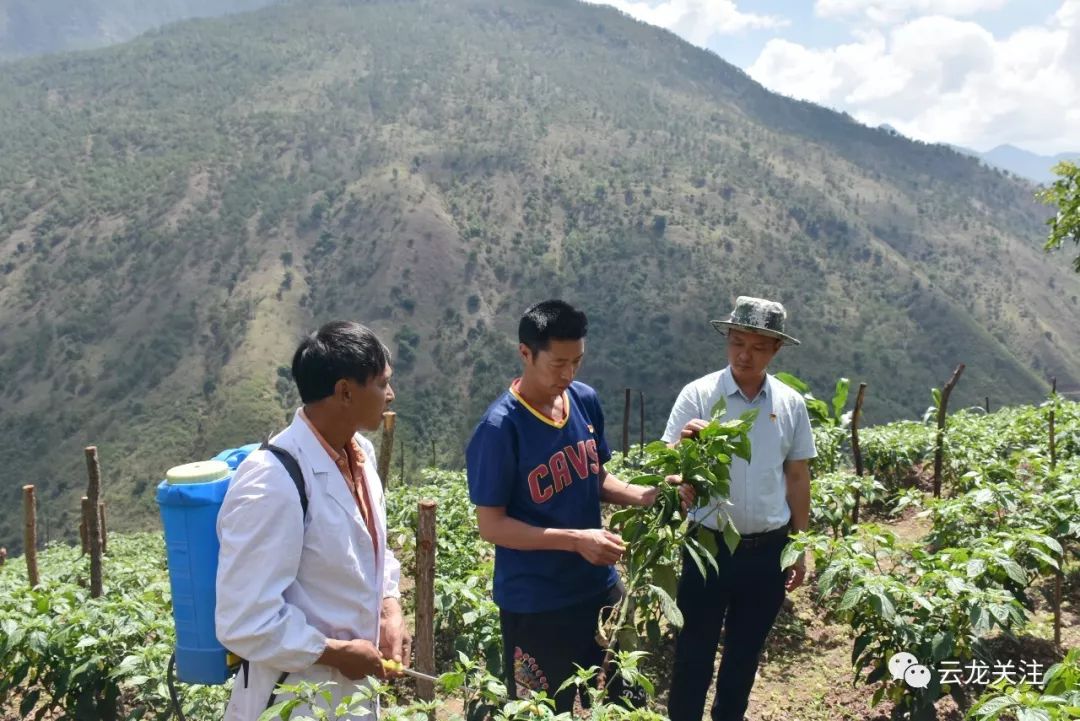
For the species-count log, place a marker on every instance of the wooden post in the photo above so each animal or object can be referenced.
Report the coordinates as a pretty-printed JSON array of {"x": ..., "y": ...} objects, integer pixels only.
[
  {"x": 855, "y": 450},
  {"x": 939, "y": 447},
  {"x": 386, "y": 446},
  {"x": 30, "y": 535},
  {"x": 641, "y": 425},
  {"x": 93, "y": 525},
  {"x": 401, "y": 472},
  {"x": 83, "y": 535},
  {"x": 425, "y": 597},
  {"x": 987, "y": 405},
  {"x": 432, "y": 452},
  {"x": 626, "y": 425},
  {"x": 1053, "y": 404},
  {"x": 1059, "y": 576},
  {"x": 104, "y": 535}
]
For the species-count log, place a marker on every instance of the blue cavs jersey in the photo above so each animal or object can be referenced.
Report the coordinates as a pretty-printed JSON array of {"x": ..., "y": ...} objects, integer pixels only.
[{"x": 545, "y": 473}]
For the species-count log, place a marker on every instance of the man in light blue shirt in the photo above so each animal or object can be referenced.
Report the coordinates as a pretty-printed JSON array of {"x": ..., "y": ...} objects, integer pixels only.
[{"x": 770, "y": 496}]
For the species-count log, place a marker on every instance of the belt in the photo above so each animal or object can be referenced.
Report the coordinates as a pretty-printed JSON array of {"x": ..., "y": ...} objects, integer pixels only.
[{"x": 751, "y": 541}]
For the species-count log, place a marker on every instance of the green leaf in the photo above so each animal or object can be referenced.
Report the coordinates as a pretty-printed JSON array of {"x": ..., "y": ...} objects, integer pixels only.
[
  {"x": 668, "y": 607},
  {"x": 840, "y": 396},
  {"x": 995, "y": 706},
  {"x": 719, "y": 408},
  {"x": 627, "y": 639},
  {"x": 789, "y": 556},
  {"x": 666, "y": 578},
  {"x": 29, "y": 702},
  {"x": 1014, "y": 571},
  {"x": 818, "y": 410},
  {"x": 942, "y": 645},
  {"x": 851, "y": 598},
  {"x": 731, "y": 537},
  {"x": 647, "y": 480},
  {"x": 1032, "y": 714},
  {"x": 882, "y": 604},
  {"x": 794, "y": 382},
  {"x": 697, "y": 560}
]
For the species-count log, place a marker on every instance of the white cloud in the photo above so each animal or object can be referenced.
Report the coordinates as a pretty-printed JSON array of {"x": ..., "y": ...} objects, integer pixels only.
[
  {"x": 941, "y": 79},
  {"x": 696, "y": 20},
  {"x": 888, "y": 12}
]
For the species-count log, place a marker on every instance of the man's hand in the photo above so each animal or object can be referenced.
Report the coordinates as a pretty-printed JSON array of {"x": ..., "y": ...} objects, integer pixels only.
[
  {"x": 394, "y": 640},
  {"x": 599, "y": 546},
  {"x": 795, "y": 575},
  {"x": 686, "y": 493},
  {"x": 355, "y": 659},
  {"x": 692, "y": 428}
]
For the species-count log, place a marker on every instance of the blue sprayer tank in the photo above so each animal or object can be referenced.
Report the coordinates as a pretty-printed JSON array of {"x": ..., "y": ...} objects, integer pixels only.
[{"x": 189, "y": 499}]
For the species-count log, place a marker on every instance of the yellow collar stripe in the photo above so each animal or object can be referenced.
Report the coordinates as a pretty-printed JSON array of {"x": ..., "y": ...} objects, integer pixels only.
[{"x": 546, "y": 419}]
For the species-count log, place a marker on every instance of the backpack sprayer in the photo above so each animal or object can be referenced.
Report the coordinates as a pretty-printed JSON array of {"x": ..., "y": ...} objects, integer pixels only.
[{"x": 189, "y": 499}]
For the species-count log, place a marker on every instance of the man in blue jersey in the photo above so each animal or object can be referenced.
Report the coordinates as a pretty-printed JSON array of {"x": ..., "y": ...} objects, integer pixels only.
[{"x": 536, "y": 475}]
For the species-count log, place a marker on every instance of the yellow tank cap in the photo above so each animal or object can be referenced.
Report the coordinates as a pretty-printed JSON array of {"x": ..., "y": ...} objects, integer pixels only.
[{"x": 198, "y": 472}]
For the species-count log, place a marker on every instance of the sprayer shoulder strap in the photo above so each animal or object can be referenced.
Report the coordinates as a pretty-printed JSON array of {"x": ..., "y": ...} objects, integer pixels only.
[{"x": 293, "y": 468}]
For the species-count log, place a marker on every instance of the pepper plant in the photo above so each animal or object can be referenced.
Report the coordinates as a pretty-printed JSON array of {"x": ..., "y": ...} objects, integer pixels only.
[{"x": 656, "y": 535}]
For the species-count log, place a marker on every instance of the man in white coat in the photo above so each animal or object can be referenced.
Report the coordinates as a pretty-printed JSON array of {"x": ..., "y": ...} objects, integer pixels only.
[{"x": 313, "y": 596}]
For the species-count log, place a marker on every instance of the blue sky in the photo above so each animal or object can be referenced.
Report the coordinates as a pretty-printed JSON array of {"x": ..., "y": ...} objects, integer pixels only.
[{"x": 977, "y": 73}]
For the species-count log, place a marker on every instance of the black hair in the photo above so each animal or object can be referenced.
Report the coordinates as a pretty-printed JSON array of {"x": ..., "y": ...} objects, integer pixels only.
[
  {"x": 551, "y": 320},
  {"x": 339, "y": 349}
]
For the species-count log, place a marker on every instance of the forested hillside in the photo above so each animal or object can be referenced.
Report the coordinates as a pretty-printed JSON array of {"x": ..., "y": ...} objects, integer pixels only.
[{"x": 177, "y": 210}]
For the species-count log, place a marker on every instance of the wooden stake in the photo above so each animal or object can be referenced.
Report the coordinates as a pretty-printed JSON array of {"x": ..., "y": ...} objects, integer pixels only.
[
  {"x": 1059, "y": 576},
  {"x": 939, "y": 447},
  {"x": 626, "y": 425},
  {"x": 30, "y": 535},
  {"x": 425, "y": 597},
  {"x": 432, "y": 452},
  {"x": 855, "y": 450},
  {"x": 386, "y": 446},
  {"x": 1053, "y": 403},
  {"x": 641, "y": 425},
  {"x": 104, "y": 535},
  {"x": 401, "y": 473},
  {"x": 988, "y": 405},
  {"x": 83, "y": 535},
  {"x": 1058, "y": 581},
  {"x": 93, "y": 525}
]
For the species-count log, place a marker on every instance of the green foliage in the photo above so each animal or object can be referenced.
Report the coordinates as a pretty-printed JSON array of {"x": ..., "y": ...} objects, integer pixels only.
[
  {"x": 466, "y": 617},
  {"x": 833, "y": 496},
  {"x": 145, "y": 246},
  {"x": 67, "y": 654},
  {"x": 1005, "y": 526},
  {"x": 655, "y": 535},
  {"x": 1065, "y": 194},
  {"x": 1058, "y": 700},
  {"x": 829, "y": 422},
  {"x": 483, "y": 697},
  {"x": 891, "y": 452}
]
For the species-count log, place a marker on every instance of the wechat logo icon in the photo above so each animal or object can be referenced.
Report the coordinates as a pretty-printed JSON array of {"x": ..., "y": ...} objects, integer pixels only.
[{"x": 905, "y": 667}]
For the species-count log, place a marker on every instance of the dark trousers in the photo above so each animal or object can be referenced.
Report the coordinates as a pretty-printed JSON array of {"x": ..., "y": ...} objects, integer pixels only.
[
  {"x": 742, "y": 600},
  {"x": 541, "y": 650}
]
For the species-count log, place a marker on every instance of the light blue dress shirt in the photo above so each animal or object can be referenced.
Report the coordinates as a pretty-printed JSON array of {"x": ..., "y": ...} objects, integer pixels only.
[{"x": 780, "y": 433}]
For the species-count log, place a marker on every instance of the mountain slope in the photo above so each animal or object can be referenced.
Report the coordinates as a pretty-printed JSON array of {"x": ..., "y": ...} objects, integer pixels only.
[
  {"x": 176, "y": 211},
  {"x": 35, "y": 27},
  {"x": 1026, "y": 164}
]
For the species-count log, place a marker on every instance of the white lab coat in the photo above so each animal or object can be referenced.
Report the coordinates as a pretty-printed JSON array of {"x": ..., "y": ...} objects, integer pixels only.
[{"x": 284, "y": 583}]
